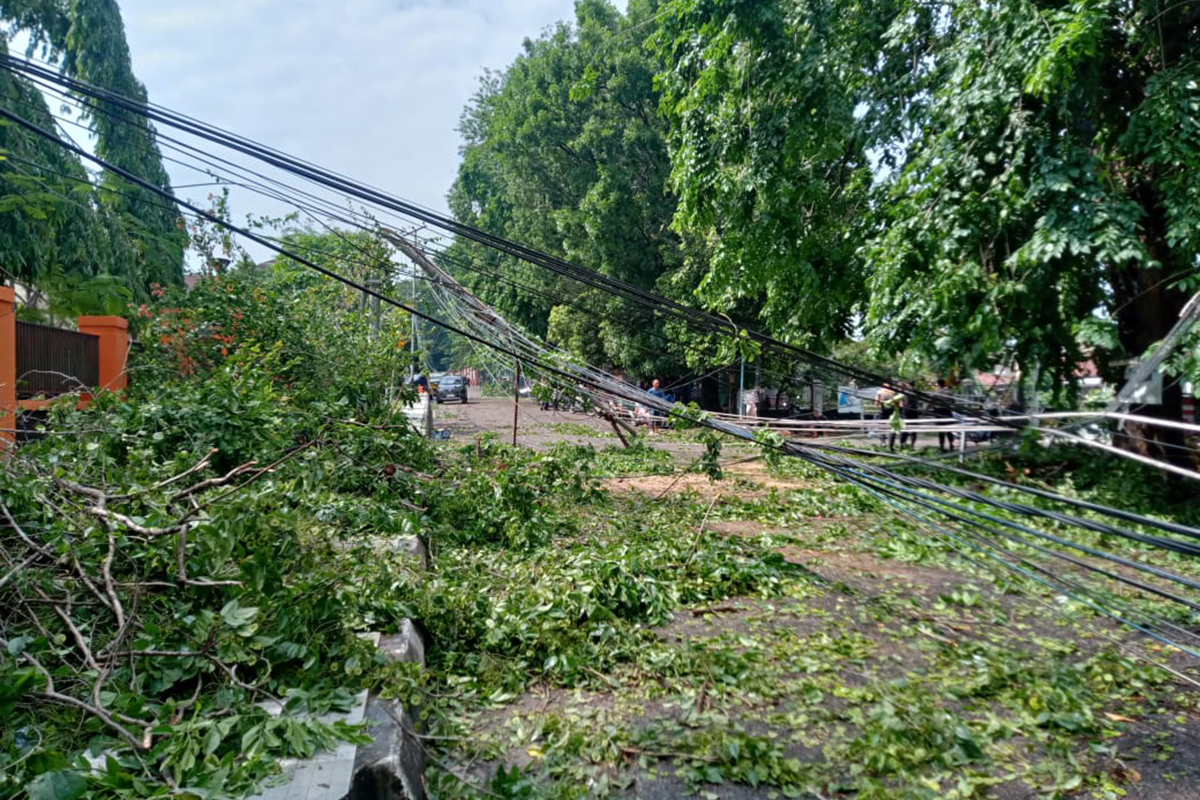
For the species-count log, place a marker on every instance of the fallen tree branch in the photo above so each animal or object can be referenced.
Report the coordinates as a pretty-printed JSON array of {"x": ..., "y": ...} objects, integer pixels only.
[
  {"x": 700, "y": 532},
  {"x": 50, "y": 692},
  {"x": 109, "y": 517},
  {"x": 210, "y": 483}
]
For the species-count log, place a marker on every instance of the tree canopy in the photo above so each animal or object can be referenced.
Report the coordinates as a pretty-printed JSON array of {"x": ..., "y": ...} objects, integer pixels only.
[
  {"x": 133, "y": 236},
  {"x": 975, "y": 180},
  {"x": 565, "y": 151},
  {"x": 960, "y": 182}
]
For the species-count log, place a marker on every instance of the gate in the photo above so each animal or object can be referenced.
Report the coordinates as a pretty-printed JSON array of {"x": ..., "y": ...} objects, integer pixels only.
[{"x": 53, "y": 361}]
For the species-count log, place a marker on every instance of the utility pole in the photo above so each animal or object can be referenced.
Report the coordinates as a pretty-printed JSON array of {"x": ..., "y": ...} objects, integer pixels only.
[
  {"x": 516, "y": 401},
  {"x": 373, "y": 286},
  {"x": 742, "y": 387},
  {"x": 413, "y": 278},
  {"x": 758, "y": 383}
]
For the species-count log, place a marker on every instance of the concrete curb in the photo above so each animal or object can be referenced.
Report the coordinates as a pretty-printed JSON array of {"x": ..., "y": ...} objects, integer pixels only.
[{"x": 392, "y": 765}]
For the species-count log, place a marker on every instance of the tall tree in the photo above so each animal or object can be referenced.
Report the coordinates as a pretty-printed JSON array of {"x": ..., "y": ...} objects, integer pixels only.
[
  {"x": 770, "y": 145},
  {"x": 1051, "y": 189},
  {"x": 55, "y": 235},
  {"x": 1034, "y": 165},
  {"x": 87, "y": 37},
  {"x": 564, "y": 151}
]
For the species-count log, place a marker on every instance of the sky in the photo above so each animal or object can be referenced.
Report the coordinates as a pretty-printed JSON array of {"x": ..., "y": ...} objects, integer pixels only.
[{"x": 372, "y": 89}]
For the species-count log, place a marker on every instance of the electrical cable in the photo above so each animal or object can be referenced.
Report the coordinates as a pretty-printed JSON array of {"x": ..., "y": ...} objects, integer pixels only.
[{"x": 521, "y": 348}]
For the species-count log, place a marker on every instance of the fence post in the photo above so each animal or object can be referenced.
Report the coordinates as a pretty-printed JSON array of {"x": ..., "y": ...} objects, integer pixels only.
[
  {"x": 8, "y": 367},
  {"x": 113, "y": 333}
]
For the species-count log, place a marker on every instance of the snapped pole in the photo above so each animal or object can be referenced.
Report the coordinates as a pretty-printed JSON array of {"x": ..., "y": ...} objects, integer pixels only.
[{"x": 516, "y": 400}]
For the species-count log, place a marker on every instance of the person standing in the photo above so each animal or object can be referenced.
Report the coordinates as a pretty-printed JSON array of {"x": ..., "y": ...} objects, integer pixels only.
[
  {"x": 944, "y": 409},
  {"x": 890, "y": 402},
  {"x": 655, "y": 391},
  {"x": 911, "y": 411}
]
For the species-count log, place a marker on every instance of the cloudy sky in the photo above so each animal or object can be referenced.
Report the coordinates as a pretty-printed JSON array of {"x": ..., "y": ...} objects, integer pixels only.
[{"x": 369, "y": 88}]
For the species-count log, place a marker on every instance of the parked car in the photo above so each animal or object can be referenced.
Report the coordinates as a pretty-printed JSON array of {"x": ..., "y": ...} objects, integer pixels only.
[{"x": 452, "y": 387}]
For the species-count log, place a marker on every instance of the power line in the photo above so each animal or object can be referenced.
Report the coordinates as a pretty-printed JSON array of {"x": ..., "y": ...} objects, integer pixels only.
[{"x": 481, "y": 325}]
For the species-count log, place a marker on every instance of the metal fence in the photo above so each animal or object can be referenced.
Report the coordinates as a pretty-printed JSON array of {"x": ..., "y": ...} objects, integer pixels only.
[{"x": 53, "y": 361}]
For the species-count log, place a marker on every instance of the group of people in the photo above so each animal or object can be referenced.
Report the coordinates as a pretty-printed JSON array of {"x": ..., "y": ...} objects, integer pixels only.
[
  {"x": 898, "y": 401},
  {"x": 652, "y": 417}
]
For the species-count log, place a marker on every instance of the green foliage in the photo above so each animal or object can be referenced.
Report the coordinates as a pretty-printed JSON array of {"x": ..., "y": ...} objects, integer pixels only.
[
  {"x": 768, "y": 154},
  {"x": 637, "y": 459},
  {"x": 564, "y": 152},
  {"x": 131, "y": 232},
  {"x": 311, "y": 337},
  {"x": 257, "y": 600},
  {"x": 529, "y": 495},
  {"x": 53, "y": 232},
  {"x": 227, "y": 501},
  {"x": 575, "y": 603},
  {"x": 977, "y": 180},
  {"x": 690, "y": 417}
]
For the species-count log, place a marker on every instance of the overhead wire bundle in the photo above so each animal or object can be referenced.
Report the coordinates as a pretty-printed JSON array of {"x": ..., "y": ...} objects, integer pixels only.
[
  {"x": 1024, "y": 530},
  {"x": 1000, "y": 531}
]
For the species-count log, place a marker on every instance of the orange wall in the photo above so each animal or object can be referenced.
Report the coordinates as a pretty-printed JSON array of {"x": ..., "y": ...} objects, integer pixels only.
[
  {"x": 114, "y": 349},
  {"x": 113, "y": 333},
  {"x": 8, "y": 367}
]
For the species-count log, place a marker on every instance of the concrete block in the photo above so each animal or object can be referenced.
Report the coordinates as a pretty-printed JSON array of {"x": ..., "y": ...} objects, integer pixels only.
[
  {"x": 392, "y": 766},
  {"x": 420, "y": 415},
  {"x": 407, "y": 644},
  {"x": 413, "y": 548},
  {"x": 325, "y": 776}
]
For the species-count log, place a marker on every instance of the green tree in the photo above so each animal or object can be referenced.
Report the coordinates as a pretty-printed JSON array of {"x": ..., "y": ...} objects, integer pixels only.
[
  {"x": 564, "y": 152},
  {"x": 1050, "y": 180},
  {"x": 143, "y": 237},
  {"x": 55, "y": 235},
  {"x": 770, "y": 152},
  {"x": 978, "y": 180}
]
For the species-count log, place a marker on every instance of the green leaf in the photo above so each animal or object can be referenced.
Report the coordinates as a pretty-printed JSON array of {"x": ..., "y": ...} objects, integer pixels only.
[
  {"x": 237, "y": 617},
  {"x": 63, "y": 784}
]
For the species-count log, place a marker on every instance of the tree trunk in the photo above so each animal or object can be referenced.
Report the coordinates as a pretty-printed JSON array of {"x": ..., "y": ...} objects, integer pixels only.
[
  {"x": 710, "y": 393},
  {"x": 1147, "y": 309}
]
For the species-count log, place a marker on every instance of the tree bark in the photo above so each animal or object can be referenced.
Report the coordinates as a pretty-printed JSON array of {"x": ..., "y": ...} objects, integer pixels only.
[
  {"x": 710, "y": 393},
  {"x": 1147, "y": 307}
]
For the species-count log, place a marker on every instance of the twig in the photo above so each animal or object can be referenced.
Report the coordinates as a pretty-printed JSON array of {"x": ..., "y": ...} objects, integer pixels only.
[
  {"x": 687, "y": 471},
  {"x": 18, "y": 568},
  {"x": 87, "y": 491},
  {"x": 601, "y": 676},
  {"x": 256, "y": 474},
  {"x": 631, "y": 750},
  {"x": 110, "y": 517},
  {"x": 699, "y": 612},
  {"x": 87, "y": 581},
  {"x": 199, "y": 465},
  {"x": 84, "y": 650},
  {"x": 106, "y": 571},
  {"x": 209, "y": 483},
  {"x": 50, "y": 692},
  {"x": 410, "y": 505},
  {"x": 700, "y": 531},
  {"x": 30, "y": 543},
  {"x": 233, "y": 678}
]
